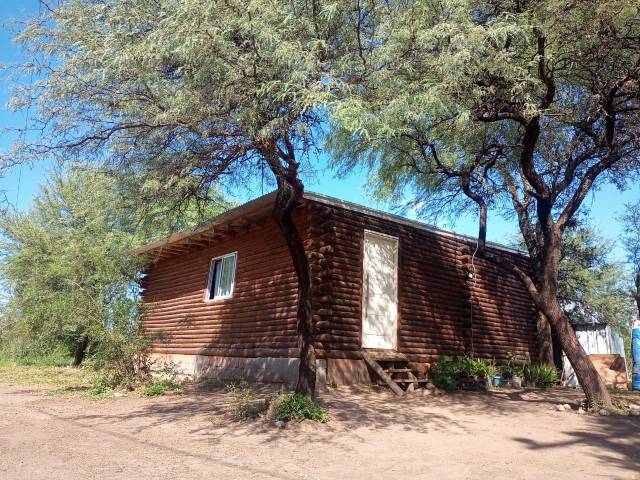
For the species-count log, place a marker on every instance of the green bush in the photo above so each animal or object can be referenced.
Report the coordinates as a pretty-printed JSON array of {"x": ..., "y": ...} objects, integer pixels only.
[
  {"x": 541, "y": 375},
  {"x": 513, "y": 368},
  {"x": 298, "y": 407},
  {"x": 244, "y": 405},
  {"x": 102, "y": 388},
  {"x": 448, "y": 372},
  {"x": 160, "y": 386}
]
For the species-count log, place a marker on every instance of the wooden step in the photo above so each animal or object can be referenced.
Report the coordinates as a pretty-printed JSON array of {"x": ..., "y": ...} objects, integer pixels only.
[
  {"x": 401, "y": 370},
  {"x": 384, "y": 355},
  {"x": 375, "y": 366}
]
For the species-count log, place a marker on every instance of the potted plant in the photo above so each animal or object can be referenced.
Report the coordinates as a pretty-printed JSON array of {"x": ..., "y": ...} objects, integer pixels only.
[{"x": 512, "y": 373}]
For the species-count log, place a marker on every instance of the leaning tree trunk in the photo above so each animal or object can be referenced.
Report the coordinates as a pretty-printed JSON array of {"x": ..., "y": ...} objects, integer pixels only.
[
  {"x": 590, "y": 380},
  {"x": 545, "y": 340},
  {"x": 288, "y": 197},
  {"x": 81, "y": 349}
]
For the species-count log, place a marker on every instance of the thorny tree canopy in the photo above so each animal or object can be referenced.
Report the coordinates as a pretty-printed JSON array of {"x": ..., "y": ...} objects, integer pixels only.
[
  {"x": 173, "y": 89},
  {"x": 523, "y": 105}
]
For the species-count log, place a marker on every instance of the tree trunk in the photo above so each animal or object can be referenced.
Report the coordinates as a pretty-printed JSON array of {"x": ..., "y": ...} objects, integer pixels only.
[
  {"x": 543, "y": 291},
  {"x": 545, "y": 340},
  {"x": 590, "y": 380},
  {"x": 81, "y": 349},
  {"x": 638, "y": 291},
  {"x": 287, "y": 198}
]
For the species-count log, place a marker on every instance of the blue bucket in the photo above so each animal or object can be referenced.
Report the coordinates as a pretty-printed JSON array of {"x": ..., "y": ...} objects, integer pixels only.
[
  {"x": 635, "y": 353},
  {"x": 497, "y": 381}
]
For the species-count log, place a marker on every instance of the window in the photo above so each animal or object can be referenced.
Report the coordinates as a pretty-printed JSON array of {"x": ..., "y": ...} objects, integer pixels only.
[{"x": 222, "y": 277}]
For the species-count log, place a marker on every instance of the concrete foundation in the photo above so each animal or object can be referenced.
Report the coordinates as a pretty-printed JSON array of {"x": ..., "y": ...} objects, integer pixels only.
[
  {"x": 344, "y": 371},
  {"x": 262, "y": 369}
]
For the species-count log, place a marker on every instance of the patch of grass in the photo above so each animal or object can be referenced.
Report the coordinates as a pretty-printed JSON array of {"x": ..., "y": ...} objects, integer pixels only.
[
  {"x": 160, "y": 386},
  {"x": 61, "y": 377},
  {"x": 298, "y": 407},
  {"x": 56, "y": 358},
  {"x": 103, "y": 387}
]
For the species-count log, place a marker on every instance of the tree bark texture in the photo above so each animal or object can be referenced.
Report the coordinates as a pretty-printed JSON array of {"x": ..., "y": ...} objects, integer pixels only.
[
  {"x": 545, "y": 340},
  {"x": 288, "y": 197},
  {"x": 81, "y": 349}
]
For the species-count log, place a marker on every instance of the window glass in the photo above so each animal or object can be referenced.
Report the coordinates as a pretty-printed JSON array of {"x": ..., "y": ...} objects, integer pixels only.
[{"x": 222, "y": 277}]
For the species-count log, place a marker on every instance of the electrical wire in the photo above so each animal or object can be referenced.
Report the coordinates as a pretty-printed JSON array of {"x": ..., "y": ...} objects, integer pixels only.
[{"x": 473, "y": 276}]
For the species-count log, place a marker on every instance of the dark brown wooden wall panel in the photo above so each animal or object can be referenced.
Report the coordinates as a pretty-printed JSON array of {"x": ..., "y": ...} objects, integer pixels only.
[
  {"x": 441, "y": 310},
  {"x": 438, "y": 302},
  {"x": 260, "y": 318}
]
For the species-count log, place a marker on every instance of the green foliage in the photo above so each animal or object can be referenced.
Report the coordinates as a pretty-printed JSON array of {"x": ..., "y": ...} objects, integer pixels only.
[
  {"x": 16, "y": 351},
  {"x": 160, "y": 386},
  {"x": 185, "y": 93},
  {"x": 513, "y": 368},
  {"x": 631, "y": 237},
  {"x": 591, "y": 287},
  {"x": 541, "y": 375},
  {"x": 441, "y": 94},
  {"x": 299, "y": 408},
  {"x": 448, "y": 371},
  {"x": 65, "y": 269},
  {"x": 68, "y": 276},
  {"x": 103, "y": 388},
  {"x": 244, "y": 405}
]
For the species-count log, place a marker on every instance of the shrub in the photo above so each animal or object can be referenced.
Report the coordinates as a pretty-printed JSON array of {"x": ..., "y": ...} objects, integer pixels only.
[
  {"x": 448, "y": 372},
  {"x": 160, "y": 386},
  {"x": 102, "y": 388},
  {"x": 513, "y": 367},
  {"x": 244, "y": 405},
  {"x": 298, "y": 407},
  {"x": 541, "y": 375}
]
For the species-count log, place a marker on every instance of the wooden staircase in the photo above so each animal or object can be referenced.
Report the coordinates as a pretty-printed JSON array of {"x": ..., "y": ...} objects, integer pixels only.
[{"x": 394, "y": 370}]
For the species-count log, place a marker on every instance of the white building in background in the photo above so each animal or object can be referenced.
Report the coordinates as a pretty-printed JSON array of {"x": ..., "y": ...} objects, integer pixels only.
[{"x": 601, "y": 342}]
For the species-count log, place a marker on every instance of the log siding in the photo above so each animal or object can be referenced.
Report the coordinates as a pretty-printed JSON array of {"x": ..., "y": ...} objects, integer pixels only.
[{"x": 442, "y": 311}]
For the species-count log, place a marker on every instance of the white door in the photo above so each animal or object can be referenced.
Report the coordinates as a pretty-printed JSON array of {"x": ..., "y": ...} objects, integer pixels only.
[{"x": 380, "y": 291}]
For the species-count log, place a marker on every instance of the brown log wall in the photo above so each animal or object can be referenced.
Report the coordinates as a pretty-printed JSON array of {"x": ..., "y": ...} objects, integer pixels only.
[
  {"x": 441, "y": 310},
  {"x": 260, "y": 318}
]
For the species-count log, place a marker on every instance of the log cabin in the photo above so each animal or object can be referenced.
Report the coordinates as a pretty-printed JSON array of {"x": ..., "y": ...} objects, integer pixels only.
[{"x": 221, "y": 298}]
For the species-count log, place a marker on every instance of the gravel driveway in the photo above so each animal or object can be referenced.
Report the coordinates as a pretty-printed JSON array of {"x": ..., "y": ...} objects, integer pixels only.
[{"x": 372, "y": 435}]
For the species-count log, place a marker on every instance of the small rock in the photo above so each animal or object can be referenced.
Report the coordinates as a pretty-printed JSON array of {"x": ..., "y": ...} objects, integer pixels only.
[
  {"x": 580, "y": 411},
  {"x": 634, "y": 406},
  {"x": 437, "y": 391},
  {"x": 430, "y": 386},
  {"x": 604, "y": 412},
  {"x": 119, "y": 394},
  {"x": 280, "y": 424},
  {"x": 426, "y": 392},
  {"x": 560, "y": 408},
  {"x": 567, "y": 406},
  {"x": 634, "y": 413}
]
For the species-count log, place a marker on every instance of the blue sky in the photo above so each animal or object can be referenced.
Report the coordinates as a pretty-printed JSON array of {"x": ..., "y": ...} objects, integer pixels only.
[{"x": 21, "y": 183}]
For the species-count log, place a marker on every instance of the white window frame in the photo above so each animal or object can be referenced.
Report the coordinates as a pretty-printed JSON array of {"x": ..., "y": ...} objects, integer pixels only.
[{"x": 207, "y": 293}]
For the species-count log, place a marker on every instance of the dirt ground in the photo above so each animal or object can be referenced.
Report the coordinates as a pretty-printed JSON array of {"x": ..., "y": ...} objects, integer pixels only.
[{"x": 372, "y": 435}]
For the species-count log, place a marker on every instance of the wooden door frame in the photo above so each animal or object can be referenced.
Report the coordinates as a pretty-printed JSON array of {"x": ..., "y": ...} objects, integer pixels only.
[{"x": 363, "y": 300}]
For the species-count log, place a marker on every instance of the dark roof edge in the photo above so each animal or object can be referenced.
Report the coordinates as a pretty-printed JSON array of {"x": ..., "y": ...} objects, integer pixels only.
[
  {"x": 221, "y": 219},
  {"x": 332, "y": 201},
  {"x": 267, "y": 199}
]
